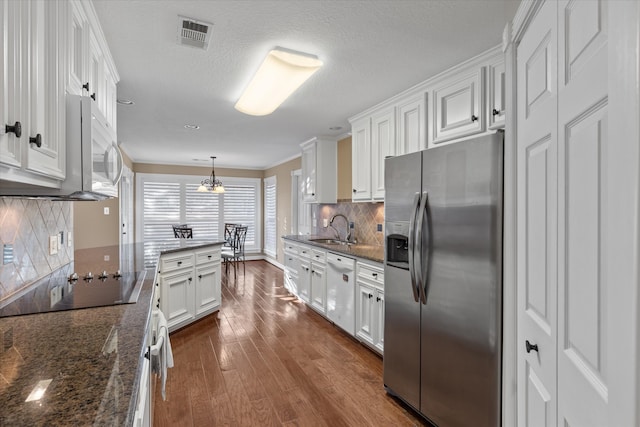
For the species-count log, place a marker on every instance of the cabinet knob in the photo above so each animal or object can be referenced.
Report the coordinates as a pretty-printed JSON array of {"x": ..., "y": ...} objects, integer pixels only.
[
  {"x": 158, "y": 305},
  {"x": 179, "y": 262},
  {"x": 370, "y": 296},
  {"x": 190, "y": 279},
  {"x": 209, "y": 256},
  {"x": 374, "y": 274},
  {"x": 531, "y": 347},
  {"x": 16, "y": 128},
  {"x": 313, "y": 194},
  {"x": 199, "y": 276},
  {"x": 378, "y": 299},
  {"x": 36, "y": 140},
  {"x": 93, "y": 96},
  {"x": 354, "y": 190},
  {"x": 474, "y": 118},
  {"x": 495, "y": 112},
  {"x": 86, "y": 86}
]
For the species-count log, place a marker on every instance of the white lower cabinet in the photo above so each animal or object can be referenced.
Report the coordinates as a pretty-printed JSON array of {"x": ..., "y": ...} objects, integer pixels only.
[
  {"x": 370, "y": 305},
  {"x": 305, "y": 276},
  {"x": 189, "y": 283}
]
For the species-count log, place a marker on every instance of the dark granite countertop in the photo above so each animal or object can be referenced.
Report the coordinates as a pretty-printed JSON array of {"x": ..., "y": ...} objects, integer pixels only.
[
  {"x": 370, "y": 252},
  {"x": 92, "y": 356}
]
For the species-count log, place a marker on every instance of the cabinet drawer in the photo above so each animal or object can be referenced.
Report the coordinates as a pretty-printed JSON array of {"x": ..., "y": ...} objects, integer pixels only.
[
  {"x": 318, "y": 256},
  {"x": 305, "y": 252},
  {"x": 176, "y": 261},
  {"x": 371, "y": 273},
  {"x": 208, "y": 255},
  {"x": 291, "y": 247}
]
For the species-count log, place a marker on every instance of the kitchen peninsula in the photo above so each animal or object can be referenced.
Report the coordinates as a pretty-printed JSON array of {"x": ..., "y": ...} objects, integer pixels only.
[{"x": 84, "y": 366}]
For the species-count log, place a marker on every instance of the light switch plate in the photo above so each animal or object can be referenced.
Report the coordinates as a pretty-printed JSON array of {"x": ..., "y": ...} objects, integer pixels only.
[{"x": 53, "y": 244}]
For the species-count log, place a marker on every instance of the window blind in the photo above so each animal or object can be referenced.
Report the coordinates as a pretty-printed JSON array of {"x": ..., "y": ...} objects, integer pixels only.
[
  {"x": 270, "y": 218},
  {"x": 172, "y": 199}
]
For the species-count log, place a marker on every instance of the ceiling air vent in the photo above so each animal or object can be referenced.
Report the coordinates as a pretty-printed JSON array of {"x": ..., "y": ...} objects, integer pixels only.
[{"x": 194, "y": 33}]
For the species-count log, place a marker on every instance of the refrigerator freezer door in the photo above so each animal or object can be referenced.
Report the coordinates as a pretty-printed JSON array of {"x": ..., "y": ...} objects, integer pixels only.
[
  {"x": 401, "y": 360},
  {"x": 402, "y": 310},
  {"x": 461, "y": 322}
]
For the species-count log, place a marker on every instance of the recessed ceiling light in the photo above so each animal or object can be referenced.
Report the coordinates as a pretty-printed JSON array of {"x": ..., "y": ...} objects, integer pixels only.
[
  {"x": 191, "y": 127},
  {"x": 335, "y": 128},
  {"x": 125, "y": 102}
]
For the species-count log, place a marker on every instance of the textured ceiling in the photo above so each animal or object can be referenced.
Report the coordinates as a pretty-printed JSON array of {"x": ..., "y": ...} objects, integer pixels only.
[{"x": 371, "y": 51}]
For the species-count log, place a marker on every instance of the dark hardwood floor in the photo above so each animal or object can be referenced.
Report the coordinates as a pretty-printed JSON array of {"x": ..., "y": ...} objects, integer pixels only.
[{"x": 266, "y": 359}]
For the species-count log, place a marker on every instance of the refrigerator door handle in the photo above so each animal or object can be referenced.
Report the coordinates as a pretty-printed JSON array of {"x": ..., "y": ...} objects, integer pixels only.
[
  {"x": 412, "y": 241},
  {"x": 423, "y": 264}
]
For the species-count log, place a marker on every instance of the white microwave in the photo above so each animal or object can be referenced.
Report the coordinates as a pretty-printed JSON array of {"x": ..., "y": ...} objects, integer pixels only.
[{"x": 93, "y": 159}]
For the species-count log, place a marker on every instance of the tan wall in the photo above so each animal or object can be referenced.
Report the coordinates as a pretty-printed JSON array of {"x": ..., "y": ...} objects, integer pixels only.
[
  {"x": 92, "y": 228},
  {"x": 282, "y": 173},
  {"x": 344, "y": 169},
  {"x": 203, "y": 171}
]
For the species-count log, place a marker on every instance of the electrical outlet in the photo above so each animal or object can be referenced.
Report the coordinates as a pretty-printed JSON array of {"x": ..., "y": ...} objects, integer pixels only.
[
  {"x": 379, "y": 227},
  {"x": 106, "y": 258},
  {"x": 53, "y": 244},
  {"x": 325, "y": 222},
  {"x": 106, "y": 210},
  {"x": 69, "y": 240}
]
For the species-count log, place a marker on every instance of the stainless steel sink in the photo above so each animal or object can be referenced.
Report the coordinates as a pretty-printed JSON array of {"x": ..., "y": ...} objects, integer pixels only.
[{"x": 330, "y": 241}]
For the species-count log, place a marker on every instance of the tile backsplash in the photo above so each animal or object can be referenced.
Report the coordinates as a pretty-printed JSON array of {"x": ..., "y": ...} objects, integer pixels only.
[
  {"x": 26, "y": 225},
  {"x": 366, "y": 218}
]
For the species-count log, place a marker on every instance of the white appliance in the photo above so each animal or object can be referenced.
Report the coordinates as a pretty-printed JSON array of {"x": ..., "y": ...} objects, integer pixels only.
[
  {"x": 93, "y": 161},
  {"x": 341, "y": 291}
]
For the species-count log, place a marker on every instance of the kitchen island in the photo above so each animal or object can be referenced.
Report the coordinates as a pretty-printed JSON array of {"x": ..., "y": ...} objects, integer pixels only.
[{"x": 89, "y": 361}]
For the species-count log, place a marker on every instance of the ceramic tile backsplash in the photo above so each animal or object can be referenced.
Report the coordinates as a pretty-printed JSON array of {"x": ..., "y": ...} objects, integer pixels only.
[
  {"x": 365, "y": 216},
  {"x": 26, "y": 225}
]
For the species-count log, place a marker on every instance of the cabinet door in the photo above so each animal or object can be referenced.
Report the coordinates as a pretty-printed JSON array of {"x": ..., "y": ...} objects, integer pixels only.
[
  {"x": 318, "y": 288},
  {"x": 412, "y": 129},
  {"x": 110, "y": 97},
  {"x": 457, "y": 107},
  {"x": 383, "y": 145},
  {"x": 496, "y": 91},
  {"x": 309, "y": 174},
  {"x": 95, "y": 70},
  {"x": 361, "y": 159},
  {"x": 77, "y": 50},
  {"x": 207, "y": 288},
  {"x": 379, "y": 336},
  {"x": 177, "y": 297},
  {"x": 44, "y": 131},
  {"x": 11, "y": 69},
  {"x": 291, "y": 273},
  {"x": 364, "y": 312},
  {"x": 304, "y": 280}
]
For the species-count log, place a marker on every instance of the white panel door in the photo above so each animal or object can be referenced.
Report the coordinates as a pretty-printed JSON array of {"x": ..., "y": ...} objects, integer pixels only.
[
  {"x": 364, "y": 313},
  {"x": 582, "y": 211},
  {"x": 177, "y": 297},
  {"x": 537, "y": 217}
]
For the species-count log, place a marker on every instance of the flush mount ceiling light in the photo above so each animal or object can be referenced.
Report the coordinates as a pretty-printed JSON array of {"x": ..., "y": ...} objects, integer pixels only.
[
  {"x": 194, "y": 127},
  {"x": 211, "y": 184},
  {"x": 122, "y": 101},
  {"x": 281, "y": 73}
]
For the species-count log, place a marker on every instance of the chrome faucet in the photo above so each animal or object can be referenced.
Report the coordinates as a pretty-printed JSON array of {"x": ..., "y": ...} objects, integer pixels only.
[{"x": 347, "y": 237}]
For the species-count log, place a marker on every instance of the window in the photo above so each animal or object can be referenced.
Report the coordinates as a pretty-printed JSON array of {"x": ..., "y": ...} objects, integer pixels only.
[
  {"x": 165, "y": 200},
  {"x": 270, "y": 216}
]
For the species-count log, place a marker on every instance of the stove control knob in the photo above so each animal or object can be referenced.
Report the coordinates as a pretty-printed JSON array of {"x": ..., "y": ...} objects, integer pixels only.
[
  {"x": 103, "y": 275},
  {"x": 73, "y": 277},
  {"x": 117, "y": 274},
  {"x": 88, "y": 277}
]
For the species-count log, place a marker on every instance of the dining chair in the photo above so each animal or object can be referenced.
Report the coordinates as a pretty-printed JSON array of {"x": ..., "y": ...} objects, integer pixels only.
[
  {"x": 229, "y": 228},
  {"x": 235, "y": 253},
  {"x": 181, "y": 231}
]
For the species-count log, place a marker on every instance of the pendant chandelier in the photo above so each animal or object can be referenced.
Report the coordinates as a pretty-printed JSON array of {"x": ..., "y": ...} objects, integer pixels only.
[{"x": 211, "y": 184}]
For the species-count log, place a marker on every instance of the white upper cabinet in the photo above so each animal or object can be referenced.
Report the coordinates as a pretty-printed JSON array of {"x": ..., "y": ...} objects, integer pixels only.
[
  {"x": 412, "y": 124},
  {"x": 496, "y": 93},
  {"x": 45, "y": 55},
  {"x": 458, "y": 106},
  {"x": 77, "y": 50},
  {"x": 32, "y": 148},
  {"x": 383, "y": 145},
  {"x": 319, "y": 170},
  {"x": 361, "y": 159},
  {"x": 373, "y": 138}
]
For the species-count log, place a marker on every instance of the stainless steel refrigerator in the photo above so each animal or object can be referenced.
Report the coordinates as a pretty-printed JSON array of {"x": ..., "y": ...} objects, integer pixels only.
[{"x": 443, "y": 281}]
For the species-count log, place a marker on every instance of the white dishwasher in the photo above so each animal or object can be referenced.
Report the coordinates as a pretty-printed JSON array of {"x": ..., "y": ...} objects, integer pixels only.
[{"x": 341, "y": 291}]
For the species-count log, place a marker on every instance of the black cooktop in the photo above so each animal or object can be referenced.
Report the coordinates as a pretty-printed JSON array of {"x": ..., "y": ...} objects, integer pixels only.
[{"x": 57, "y": 293}]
